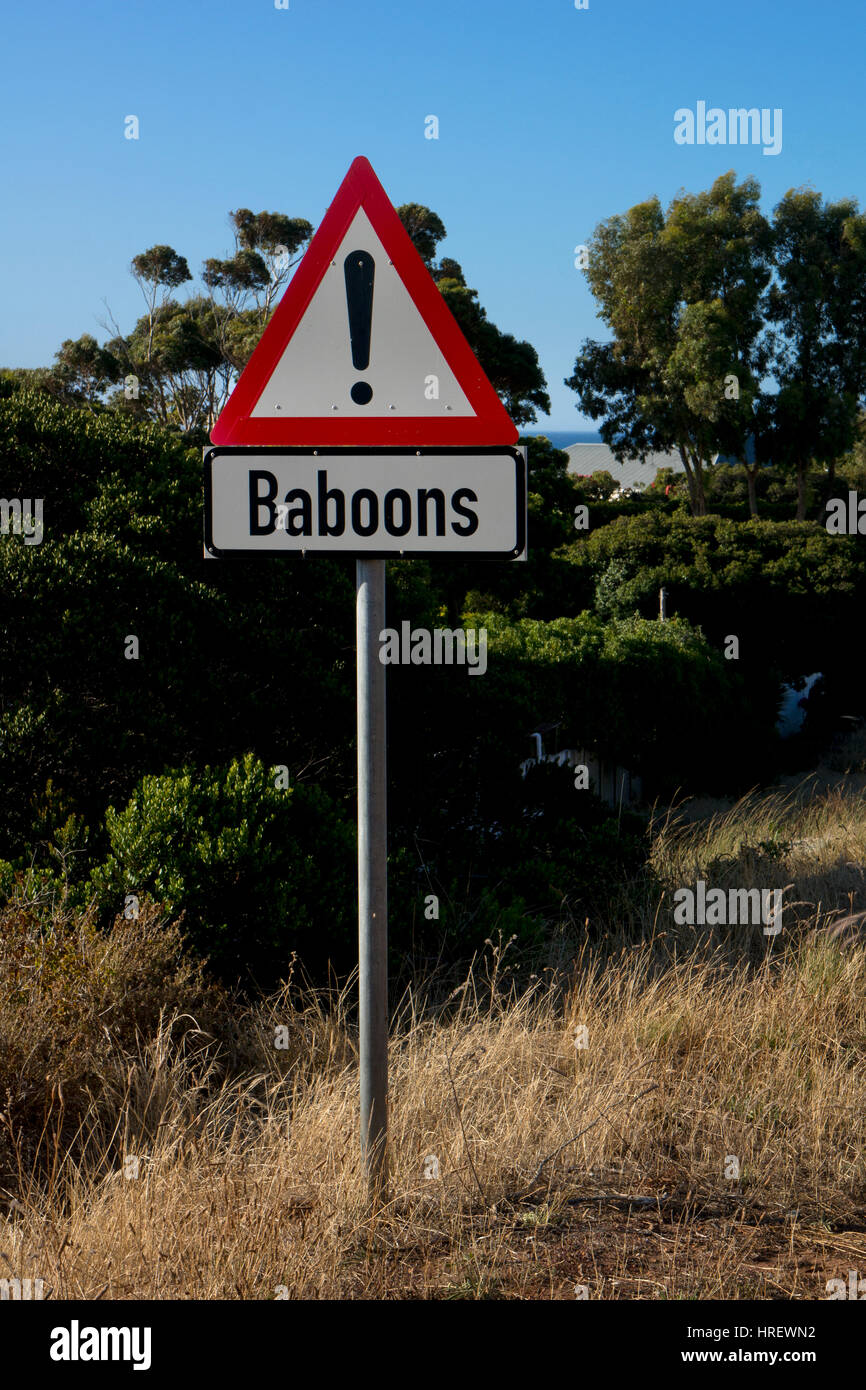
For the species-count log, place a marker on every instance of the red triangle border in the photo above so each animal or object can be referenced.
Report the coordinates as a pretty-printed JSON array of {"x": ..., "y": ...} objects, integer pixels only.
[{"x": 491, "y": 424}]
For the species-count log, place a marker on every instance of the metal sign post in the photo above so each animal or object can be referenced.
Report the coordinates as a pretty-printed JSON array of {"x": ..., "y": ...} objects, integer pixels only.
[{"x": 372, "y": 875}]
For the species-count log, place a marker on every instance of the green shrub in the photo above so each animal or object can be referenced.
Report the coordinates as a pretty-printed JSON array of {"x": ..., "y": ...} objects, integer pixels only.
[
  {"x": 653, "y": 697},
  {"x": 258, "y": 871},
  {"x": 230, "y": 655}
]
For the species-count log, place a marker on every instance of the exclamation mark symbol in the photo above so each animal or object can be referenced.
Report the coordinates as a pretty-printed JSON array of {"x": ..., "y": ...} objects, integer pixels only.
[{"x": 360, "y": 268}]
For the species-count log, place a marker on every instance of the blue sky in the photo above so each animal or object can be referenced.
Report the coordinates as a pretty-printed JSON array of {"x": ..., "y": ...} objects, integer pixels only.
[{"x": 551, "y": 119}]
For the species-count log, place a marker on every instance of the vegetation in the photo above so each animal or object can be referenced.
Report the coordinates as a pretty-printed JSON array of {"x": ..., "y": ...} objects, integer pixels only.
[
  {"x": 606, "y": 1166},
  {"x": 182, "y": 359},
  {"x": 731, "y": 333},
  {"x": 242, "y": 670},
  {"x": 177, "y": 880}
]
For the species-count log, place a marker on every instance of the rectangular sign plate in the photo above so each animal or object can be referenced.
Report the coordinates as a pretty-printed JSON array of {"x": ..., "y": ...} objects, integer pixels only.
[{"x": 372, "y": 503}]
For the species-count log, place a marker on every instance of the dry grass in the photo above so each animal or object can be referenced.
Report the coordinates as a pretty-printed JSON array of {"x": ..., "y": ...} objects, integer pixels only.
[
  {"x": 559, "y": 1166},
  {"x": 811, "y": 845}
]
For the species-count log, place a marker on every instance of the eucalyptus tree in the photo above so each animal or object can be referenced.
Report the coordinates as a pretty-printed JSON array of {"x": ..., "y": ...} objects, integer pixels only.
[
  {"x": 817, "y": 309},
  {"x": 157, "y": 272},
  {"x": 511, "y": 365},
  {"x": 681, "y": 293}
]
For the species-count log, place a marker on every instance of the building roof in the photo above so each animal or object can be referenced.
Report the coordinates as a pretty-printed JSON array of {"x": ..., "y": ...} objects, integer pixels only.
[{"x": 584, "y": 459}]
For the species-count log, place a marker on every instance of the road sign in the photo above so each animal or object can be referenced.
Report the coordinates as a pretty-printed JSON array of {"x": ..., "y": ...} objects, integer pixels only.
[
  {"x": 363, "y": 424},
  {"x": 366, "y": 502},
  {"x": 362, "y": 349}
]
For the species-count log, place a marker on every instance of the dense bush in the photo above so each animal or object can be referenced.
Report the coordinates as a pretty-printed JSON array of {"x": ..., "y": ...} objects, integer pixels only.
[
  {"x": 246, "y": 657},
  {"x": 654, "y": 697},
  {"x": 792, "y": 593},
  {"x": 257, "y": 870},
  {"x": 229, "y": 654},
  {"x": 501, "y": 850}
]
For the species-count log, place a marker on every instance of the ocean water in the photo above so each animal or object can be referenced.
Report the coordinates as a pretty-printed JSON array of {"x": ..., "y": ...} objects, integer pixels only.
[{"x": 562, "y": 438}]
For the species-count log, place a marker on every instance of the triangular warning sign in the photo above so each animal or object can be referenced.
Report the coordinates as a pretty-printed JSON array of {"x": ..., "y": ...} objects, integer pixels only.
[{"x": 362, "y": 349}]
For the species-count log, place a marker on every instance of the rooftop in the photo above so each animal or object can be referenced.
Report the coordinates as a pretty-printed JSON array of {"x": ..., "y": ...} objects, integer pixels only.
[{"x": 584, "y": 459}]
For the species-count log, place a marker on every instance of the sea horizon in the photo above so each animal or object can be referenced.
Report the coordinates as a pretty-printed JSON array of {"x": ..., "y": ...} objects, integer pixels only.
[{"x": 561, "y": 439}]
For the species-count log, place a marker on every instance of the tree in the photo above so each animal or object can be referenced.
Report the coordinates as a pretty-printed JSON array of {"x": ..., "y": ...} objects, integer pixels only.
[
  {"x": 511, "y": 366},
  {"x": 157, "y": 272},
  {"x": 178, "y": 360},
  {"x": 788, "y": 589},
  {"x": 720, "y": 379},
  {"x": 186, "y": 356},
  {"x": 266, "y": 250},
  {"x": 449, "y": 270},
  {"x": 681, "y": 294},
  {"x": 425, "y": 229},
  {"x": 84, "y": 370},
  {"x": 818, "y": 307}
]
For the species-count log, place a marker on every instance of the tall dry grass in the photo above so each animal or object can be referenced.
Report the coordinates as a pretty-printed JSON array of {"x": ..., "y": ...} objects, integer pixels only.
[{"x": 582, "y": 1119}]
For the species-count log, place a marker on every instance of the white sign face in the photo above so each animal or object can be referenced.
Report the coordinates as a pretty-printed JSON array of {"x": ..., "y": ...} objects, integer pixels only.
[
  {"x": 405, "y": 371},
  {"x": 366, "y": 502}
]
